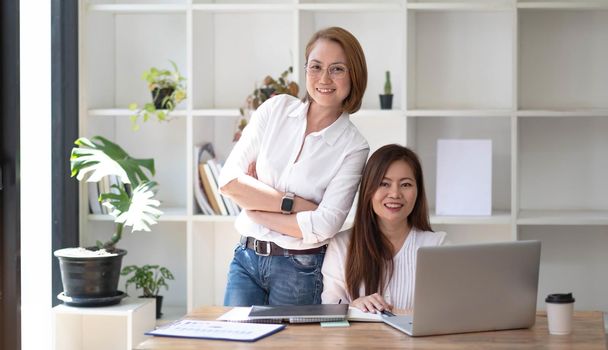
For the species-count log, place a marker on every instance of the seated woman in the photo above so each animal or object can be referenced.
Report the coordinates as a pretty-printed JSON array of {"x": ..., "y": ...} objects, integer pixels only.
[{"x": 372, "y": 265}]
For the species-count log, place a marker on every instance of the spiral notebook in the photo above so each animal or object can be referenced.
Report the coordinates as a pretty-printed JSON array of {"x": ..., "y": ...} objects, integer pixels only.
[{"x": 300, "y": 313}]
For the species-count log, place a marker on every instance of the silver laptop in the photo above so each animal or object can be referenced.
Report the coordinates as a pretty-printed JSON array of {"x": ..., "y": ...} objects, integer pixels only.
[{"x": 471, "y": 288}]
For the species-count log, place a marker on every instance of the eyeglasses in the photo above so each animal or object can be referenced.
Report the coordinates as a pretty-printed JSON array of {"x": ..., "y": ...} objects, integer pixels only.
[{"x": 336, "y": 71}]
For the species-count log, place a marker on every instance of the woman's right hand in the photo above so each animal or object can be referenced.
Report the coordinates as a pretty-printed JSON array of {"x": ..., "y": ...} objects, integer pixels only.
[
  {"x": 372, "y": 303},
  {"x": 251, "y": 171}
]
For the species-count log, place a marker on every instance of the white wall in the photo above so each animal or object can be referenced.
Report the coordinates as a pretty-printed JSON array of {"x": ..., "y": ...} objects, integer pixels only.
[{"x": 35, "y": 81}]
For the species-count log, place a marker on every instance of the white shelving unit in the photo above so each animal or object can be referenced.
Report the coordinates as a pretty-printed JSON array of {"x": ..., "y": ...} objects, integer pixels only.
[{"x": 530, "y": 75}]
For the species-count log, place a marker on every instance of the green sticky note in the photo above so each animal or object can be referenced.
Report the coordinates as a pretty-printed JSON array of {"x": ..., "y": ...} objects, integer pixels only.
[{"x": 336, "y": 324}]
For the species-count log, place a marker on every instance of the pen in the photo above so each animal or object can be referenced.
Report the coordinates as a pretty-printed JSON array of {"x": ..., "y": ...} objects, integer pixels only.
[{"x": 340, "y": 301}]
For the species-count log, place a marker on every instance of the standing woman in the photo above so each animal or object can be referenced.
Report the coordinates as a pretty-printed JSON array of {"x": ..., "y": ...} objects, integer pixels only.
[
  {"x": 372, "y": 265},
  {"x": 295, "y": 171}
]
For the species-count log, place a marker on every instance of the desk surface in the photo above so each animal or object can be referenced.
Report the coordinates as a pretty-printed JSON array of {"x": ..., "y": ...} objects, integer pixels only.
[{"x": 588, "y": 334}]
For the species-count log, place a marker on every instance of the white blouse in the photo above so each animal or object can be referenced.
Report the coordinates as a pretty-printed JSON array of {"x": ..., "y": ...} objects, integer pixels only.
[
  {"x": 400, "y": 289},
  {"x": 327, "y": 172}
]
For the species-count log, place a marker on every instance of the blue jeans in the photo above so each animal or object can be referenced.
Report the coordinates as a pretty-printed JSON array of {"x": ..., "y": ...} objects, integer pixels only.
[{"x": 273, "y": 280}]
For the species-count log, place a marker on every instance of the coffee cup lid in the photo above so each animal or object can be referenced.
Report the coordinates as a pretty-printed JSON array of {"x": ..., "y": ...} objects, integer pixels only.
[{"x": 560, "y": 298}]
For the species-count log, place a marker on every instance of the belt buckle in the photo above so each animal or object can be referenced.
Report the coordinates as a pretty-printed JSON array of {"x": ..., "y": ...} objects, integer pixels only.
[{"x": 256, "y": 246}]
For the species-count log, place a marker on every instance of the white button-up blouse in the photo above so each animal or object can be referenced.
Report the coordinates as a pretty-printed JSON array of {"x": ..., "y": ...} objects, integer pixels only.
[
  {"x": 328, "y": 170},
  {"x": 400, "y": 289}
]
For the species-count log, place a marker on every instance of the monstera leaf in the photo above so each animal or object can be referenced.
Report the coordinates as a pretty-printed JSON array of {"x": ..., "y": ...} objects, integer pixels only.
[
  {"x": 99, "y": 157},
  {"x": 138, "y": 210}
]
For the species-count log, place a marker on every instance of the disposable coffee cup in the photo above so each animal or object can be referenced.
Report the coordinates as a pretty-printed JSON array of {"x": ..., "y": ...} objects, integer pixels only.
[{"x": 559, "y": 313}]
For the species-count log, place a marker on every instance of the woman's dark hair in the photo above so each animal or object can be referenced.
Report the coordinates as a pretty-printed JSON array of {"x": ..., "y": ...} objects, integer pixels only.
[{"x": 370, "y": 253}]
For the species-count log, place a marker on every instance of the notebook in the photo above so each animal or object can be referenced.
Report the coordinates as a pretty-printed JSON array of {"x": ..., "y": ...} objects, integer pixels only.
[
  {"x": 300, "y": 313},
  {"x": 241, "y": 314},
  {"x": 472, "y": 288}
]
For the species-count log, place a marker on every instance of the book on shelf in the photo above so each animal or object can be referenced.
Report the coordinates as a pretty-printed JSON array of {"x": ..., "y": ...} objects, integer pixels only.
[
  {"x": 207, "y": 187},
  {"x": 216, "y": 168},
  {"x": 214, "y": 189},
  {"x": 202, "y": 153},
  {"x": 104, "y": 187},
  {"x": 93, "y": 192}
]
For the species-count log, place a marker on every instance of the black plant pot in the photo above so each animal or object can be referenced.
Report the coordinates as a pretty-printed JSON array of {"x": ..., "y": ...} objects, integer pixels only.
[
  {"x": 267, "y": 92},
  {"x": 159, "y": 305},
  {"x": 386, "y": 101},
  {"x": 91, "y": 281},
  {"x": 158, "y": 96}
]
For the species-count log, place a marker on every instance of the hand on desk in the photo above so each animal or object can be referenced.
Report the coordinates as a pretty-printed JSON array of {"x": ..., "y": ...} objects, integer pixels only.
[{"x": 372, "y": 303}]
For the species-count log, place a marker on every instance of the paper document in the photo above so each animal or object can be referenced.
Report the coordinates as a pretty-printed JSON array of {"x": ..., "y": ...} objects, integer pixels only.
[
  {"x": 216, "y": 330},
  {"x": 464, "y": 177}
]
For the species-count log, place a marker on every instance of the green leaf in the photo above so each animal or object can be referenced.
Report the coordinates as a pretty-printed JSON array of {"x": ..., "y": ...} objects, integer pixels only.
[
  {"x": 149, "y": 107},
  {"x": 132, "y": 106},
  {"x": 99, "y": 157},
  {"x": 140, "y": 211},
  {"x": 149, "y": 278}
]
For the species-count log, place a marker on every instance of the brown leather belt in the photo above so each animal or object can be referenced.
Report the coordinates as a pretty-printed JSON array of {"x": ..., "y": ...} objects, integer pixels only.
[{"x": 266, "y": 248}]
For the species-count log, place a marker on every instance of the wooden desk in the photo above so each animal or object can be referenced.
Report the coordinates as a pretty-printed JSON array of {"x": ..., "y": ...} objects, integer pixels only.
[{"x": 588, "y": 334}]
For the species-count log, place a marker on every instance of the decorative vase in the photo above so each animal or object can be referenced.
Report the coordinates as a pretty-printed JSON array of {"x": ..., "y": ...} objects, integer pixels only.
[
  {"x": 90, "y": 280},
  {"x": 386, "y": 101},
  {"x": 159, "y": 95}
]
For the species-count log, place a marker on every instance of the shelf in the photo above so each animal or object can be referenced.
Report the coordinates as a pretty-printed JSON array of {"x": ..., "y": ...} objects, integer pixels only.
[
  {"x": 459, "y": 113},
  {"x": 475, "y": 74},
  {"x": 564, "y": 113},
  {"x": 170, "y": 214},
  {"x": 374, "y": 113},
  {"x": 574, "y": 5},
  {"x": 562, "y": 217},
  {"x": 463, "y": 6},
  {"x": 551, "y": 49},
  {"x": 527, "y": 74},
  {"x": 138, "y": 8},
  {"x": 243, "y": 7},
  {"x": 358, "y": 7},
  {"x": 497, "y": 218},
  {"x": 216, "y": 113},
  {"x": 120, "y": 112},
  {"x": 213, "y": 218}
]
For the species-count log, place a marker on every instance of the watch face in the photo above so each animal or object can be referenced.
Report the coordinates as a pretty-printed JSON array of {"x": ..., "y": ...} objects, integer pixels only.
[{"x": 287, "y": 204}]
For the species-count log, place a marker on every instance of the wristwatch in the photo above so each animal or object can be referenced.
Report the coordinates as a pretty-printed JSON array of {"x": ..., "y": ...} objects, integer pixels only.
[{"x": 287, "y": 203}]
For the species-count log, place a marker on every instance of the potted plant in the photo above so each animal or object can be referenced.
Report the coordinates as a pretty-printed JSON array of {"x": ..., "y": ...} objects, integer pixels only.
[
  {"x": 90, "y": 275},
  {"x": 168, "y": 89},
  {"x": 270, "y": 87},
  {"x": 148, "y": 278},
  {"x": 386, "y": 99}
]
